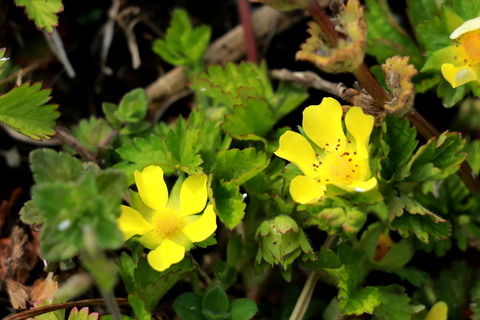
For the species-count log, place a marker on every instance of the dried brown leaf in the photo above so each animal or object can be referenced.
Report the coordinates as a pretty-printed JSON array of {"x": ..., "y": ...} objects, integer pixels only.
[
  {"x": 44, "y": 289},
  {"x": 18, "y": 294}
]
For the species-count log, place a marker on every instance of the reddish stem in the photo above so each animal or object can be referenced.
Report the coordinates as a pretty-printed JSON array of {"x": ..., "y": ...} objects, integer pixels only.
[{"x": 249, "y": 34}]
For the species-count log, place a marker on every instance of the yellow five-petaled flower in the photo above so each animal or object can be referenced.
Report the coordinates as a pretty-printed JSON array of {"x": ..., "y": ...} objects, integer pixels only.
[
  {"x": 341, "y": 160},
  {"x": 167, "y": 226},
  {"x": 462, "y": 58}
]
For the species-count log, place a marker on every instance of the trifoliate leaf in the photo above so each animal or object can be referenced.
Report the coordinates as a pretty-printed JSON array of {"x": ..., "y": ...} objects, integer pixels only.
[
  {"x": 51, "y": 166},
  {"x": 246, "y": 164},
  {"x": 215, "y": 304},
  {"x": 92, "y": 133},
  {"x": 243, "y": 309},
  {"x": 151, "y": 286},
  {"x": 42, "y": 12},
  {"x": 251, "y": 121},
  {"x": 385, "y": 37},
  {"x": 394, "y": 304},
  {"x": 438, "y": 158},
  {"x": 183, "y": 45},
  {"x": 353, "y": 300},
  {"x": 24, "y": 110},
  {"x": 227, "y": 202},
  {"x": 400, "y": 140}
]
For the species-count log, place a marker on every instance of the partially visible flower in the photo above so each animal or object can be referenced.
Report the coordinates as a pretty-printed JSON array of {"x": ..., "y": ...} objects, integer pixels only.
[
  {"x": 341, "y": 160},
  {"x": 166, "y": 226},
  {"x": 439, "y": 311},
  {"x": 463, "y": 58}
]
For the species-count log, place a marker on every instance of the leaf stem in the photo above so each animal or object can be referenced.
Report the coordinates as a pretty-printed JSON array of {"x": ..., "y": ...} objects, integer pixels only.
[
  {"x": 306, "y": 295},
  {"x": 249, "y": 34}
]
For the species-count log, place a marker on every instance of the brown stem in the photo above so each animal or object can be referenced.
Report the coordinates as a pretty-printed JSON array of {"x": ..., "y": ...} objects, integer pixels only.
[
  {"x": 374, "y": 89},
  {"x": 45, "y": 309},
  {"x": 324, "y": 22},
  {"x": 64, "y": 135},
  {"x": 249, "y": 34},
  {"x": 428, "y": 131}
]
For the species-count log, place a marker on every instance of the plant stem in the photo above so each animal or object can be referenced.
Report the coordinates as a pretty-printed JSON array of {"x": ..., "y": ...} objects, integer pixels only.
[
  {"x": 249, "y": 34},
  {"x": 306, "y": 295}
]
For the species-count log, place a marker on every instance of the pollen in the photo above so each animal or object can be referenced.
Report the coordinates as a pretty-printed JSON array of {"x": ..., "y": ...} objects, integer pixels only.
[
  {"x": 471, "y": 44},
  {"x": 167, "y": 221}
]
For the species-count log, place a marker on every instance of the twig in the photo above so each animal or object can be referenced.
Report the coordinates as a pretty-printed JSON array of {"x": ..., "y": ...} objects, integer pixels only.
[
  {"x": 20, "y": 73},
  {"x": 64, "y": 135},
  {"x": 55, "y": 43},
  {"x": 45, "y": 309},
  {"x": 127, "y": 28},
  {"x": 246, "y": 20},
  {"x": 108, "y": 36},
  {"x": 310, "y": 79}
]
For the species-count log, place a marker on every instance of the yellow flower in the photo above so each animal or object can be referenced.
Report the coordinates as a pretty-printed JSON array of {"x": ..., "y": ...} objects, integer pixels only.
[
  {"x": 463, "y": 58},
  {"x": 439, "y": 311},
  {"x": 340, "y": 160},
  {"x": 166, "y": 226}
]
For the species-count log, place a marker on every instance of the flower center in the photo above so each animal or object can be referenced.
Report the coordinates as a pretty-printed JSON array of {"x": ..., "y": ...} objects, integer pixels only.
[
  {"x": 340, "y": 168},
  {"x": 166, "y": 221},
  {"x": 471, "y": 43}
]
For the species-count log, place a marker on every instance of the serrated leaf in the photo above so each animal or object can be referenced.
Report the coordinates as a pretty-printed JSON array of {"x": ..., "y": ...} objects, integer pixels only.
[
  {"x": 251, "y": 121},
  {"x": 287, "y": 97},
  {"x": 151, "y": 286},
  {"x": 132, "y": 107},
  {"x": 352, "y": 300},
  {"x": 423, "y": 226},
  {"x": 51, "y": 166},
  {"x": 438, "y": 158},
  {"x": 240, "y": 166},
  {"x": 138, "y": 306},
  {"x": 92, "y": 132},
  {"x": 434, "y": 35},
  {"x": 394, "y": 304},
  {"x": 227, "y": 202},
  {"x": 450, "y": 96},
  {"x": 188, "y": 306},
  {"x": 400, "y": 139},
  {"x": 30, "y": 213},
  {"x": 385, "y": 37},
  {"x": 243, "y": 309},
  {"x": 215, "y": 303},
  {"x": 82, "y": 314},
  {"x": 183, "y": 44},
  {"x": 42, "y": 12},
  {"x": 24, "y": 110}
]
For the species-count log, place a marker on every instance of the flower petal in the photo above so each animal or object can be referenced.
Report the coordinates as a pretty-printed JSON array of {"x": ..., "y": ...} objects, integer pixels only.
[
  {"x": 306, "y": 190},
  {"x": 458, "y": 76},
  {"x": 362, "y": 186},
  {"x": 165, "y": 255},
  {"x": 151, "y": 239},
  {"x": 360, "y": 126},
  {"x": 323, "y": 125},
  {"x": 296, "y": 149},
  {"x": 193, "y": 195},
  {"x": 152, "y": 187},
  {"x": 439, "y": 311},
  {"x": 131, "y": 223},
  {"x": 203, "y": 227},
  {"x": 467, "y": 26}
]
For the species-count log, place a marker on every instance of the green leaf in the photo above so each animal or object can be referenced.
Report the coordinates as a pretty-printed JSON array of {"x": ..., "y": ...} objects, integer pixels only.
[
  {"x": 475, "y": 298},
  {"x": 242, "y": 309},
  {"x": 287, "y": 97},
  {"x": 132, "y": 107},
  {"x": 423, "y": 226},
  {"x": 51, "y": 166},
  {"x": 42, "y": 12},
  {"x": 326, "y": 259},
  {"x": 251, "y": 121},
  {"x": 450, "y": 96},
  {"x": 151, "y": 286},
  {"x": 24, "y": 110},
  {"x": 438, "y": 158},
  {"x": 215, "y": 304},
  {"x": 139, "y": 309},
  {"x": 30, "y": 213},
  {"x": 227, "y": 202},
  {"x": 69, "y": 207},
  {"x": 420, "y": 11},
  {"x": 183, "y": 45},
  {"x": 240, "y": 166},
  {"x": 434, "y": 35},
  {"x": 400, "y": 140},
  {"x": 188, "y": 306},
  {"x": 452, "y": 288},
  {"x": 416, "y": 277},
  {"x": 385, "y": 37},
  {"x": 352, "y": 300},
  {"x": 92, "y": 133},
  {"x": 82, "y": 314},
  {"x": 394, "y": 304},
  {"x": 225, "y": 273},
  {"x": 467, "y": 9}
]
